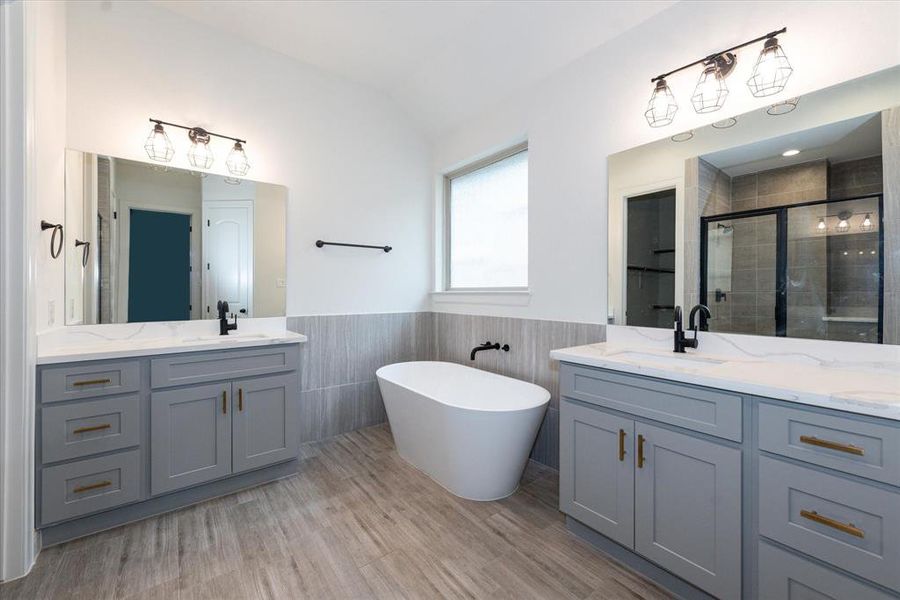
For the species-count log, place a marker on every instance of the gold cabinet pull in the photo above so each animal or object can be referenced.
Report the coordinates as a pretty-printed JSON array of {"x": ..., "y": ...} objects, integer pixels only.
[
  {"x": 241, "y": 399},
  {"x": 92, "y": 486},
  {"x": 224, "y": 402},
  {"x": 92, "y": 428},
  {"x": 640, "y": 460},
  {"x": 621, "y": 445},
  {"x": 848, "y": 448},
  {"x": 91, "y": 382},
  {"x": 849, "y": 528}
]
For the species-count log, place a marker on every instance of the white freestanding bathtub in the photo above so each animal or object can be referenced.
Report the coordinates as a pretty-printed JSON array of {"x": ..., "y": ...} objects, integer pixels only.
[{"x": 468, "y": 429}]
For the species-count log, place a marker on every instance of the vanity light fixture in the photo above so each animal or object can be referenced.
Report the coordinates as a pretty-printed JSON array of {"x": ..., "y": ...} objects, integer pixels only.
[
  {"x": 159, "y": 147},
  {"x": 821, "y": 227},
  {"x": 237, "y": 161},
  {"x": 770, "y": 75},
  {"x": 866, "y": 224},
  {"x": 791, "y": 152},
  {"x": 662, "y": 106},
  {"x": 771, "y": 71},
  {"x": 200, "y": 155},
  {"x": 711, "y": 91},
  {"x": 843, "y": 225}
]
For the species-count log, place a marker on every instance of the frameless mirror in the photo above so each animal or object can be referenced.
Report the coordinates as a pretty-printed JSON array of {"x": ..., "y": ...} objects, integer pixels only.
[
  {"x": 150, "y": 243},
  {"x": 784, "y": 221}
]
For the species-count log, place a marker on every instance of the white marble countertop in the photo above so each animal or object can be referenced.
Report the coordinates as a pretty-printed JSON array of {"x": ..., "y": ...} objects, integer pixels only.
[
  {"x": 100, "y": 342},
  {"x": 870, "y": 388}
]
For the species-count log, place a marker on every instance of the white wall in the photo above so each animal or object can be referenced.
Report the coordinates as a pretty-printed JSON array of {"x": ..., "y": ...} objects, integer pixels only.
[
  {"x": 355, "y": 167},
  {"x": 594, "y": 107}
]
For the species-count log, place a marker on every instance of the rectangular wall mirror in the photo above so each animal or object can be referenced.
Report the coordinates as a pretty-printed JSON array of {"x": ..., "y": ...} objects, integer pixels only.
[
  {"x": 144, "y": 242},
  {"x": 784, "y": 221}
]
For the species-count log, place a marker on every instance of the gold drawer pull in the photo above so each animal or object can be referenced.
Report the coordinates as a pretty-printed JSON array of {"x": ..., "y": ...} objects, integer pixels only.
[
  {"x": 845, "y": 527},
  {"x": 640, "y": 457},
  {"x": 92, "y": 428},
  {"x": 848, "y": 448},
  {"x": 621, "y": 445},
  {"x": 92, "y": 486},
  {"x": 92, "y": 382}
]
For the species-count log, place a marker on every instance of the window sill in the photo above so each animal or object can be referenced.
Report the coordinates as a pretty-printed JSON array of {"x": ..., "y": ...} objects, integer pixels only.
[{"x": 497, "y": 297}]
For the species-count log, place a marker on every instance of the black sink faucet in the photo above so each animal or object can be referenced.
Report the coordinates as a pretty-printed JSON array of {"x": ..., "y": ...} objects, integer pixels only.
[
  {"x": 224, "y": 325},
  {"x": 681, "y": 341},
  {"x": 488, "y": 346}
]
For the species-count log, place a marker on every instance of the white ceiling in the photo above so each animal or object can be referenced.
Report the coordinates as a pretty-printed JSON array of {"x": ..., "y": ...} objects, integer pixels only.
[{"x": 441, "y": 60}]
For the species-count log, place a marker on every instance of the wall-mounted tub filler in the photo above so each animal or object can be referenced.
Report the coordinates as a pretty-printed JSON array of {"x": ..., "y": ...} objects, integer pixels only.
[{"x": 469, "y": 430}]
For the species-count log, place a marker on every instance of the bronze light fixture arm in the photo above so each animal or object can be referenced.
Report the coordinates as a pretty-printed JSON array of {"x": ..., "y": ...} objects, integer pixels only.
[
  {"x": 715, "y": 55},
  {"x": 218, "y": 135}
]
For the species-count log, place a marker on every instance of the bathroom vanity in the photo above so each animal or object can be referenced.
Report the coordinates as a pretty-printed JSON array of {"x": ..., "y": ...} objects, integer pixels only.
[
  {"x": 131, "y": 428},
  {"x": 726, "y": 488}
]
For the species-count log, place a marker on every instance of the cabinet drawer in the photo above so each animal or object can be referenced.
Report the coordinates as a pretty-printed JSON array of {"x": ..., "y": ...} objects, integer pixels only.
[
  {"x": 700, "y": 409},
  {"x": 786, "y": 576},
  {"x": 71, "y": 382},
  {"x": 205, "y": 367},
  {"x": 76, "y": 430},
  {"x": 851, "y": 525},
  {"x": 861, "y": 448},
  {"x": 91, "y": 485}
]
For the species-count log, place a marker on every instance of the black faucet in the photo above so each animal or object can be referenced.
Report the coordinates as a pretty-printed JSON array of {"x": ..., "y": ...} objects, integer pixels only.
[
  {"x": 488, "y": 346},
  {"x": 224, "y": 325},
  {"x": 682, "y": 342}
]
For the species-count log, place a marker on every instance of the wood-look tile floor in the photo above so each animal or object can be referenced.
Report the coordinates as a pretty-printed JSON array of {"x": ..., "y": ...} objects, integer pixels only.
[{"x": 355, "y": 522}]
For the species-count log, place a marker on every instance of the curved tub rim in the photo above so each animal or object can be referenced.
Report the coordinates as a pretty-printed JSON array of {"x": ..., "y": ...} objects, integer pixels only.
[{"x": 543, "y": 404}]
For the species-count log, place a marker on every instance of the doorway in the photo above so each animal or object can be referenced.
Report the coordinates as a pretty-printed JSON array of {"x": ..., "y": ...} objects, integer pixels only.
[
  {"x": 228, "y": 256},
  {"x": 159, "y": 266},
  {"x": 650, "y": 259}
]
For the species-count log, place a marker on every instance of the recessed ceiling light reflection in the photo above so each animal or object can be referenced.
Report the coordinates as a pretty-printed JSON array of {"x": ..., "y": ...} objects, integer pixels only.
[{"x": 792, "y": 152}]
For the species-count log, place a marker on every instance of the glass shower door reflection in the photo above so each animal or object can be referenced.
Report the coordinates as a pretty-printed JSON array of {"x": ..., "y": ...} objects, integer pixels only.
[
  {"x": 834, "y": 271},
  {"x": 740, "y": 281}
]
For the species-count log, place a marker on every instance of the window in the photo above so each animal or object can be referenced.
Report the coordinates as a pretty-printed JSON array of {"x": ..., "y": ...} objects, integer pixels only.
[{"x": 487, "y": 223}]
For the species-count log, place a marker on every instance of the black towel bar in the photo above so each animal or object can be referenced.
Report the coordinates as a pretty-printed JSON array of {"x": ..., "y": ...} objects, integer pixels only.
[{"x": 320, "y": 244}]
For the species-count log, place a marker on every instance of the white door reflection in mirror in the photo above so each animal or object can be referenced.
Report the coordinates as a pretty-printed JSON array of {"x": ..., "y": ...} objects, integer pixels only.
[{"x": 228, "y": 255}]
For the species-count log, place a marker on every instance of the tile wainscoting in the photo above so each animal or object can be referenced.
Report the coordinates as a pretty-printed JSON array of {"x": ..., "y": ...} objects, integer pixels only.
[{"x": 338, "y": 363}]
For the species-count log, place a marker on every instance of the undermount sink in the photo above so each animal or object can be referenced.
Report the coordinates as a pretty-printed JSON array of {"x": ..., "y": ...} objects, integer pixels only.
[
  {"x": 225, "y": 338},
  {"x": 678, "y": 360}
]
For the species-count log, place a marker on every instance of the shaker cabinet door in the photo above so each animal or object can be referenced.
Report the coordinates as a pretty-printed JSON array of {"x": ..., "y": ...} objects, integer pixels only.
[
  {"x": 190, "y": 429},
  {"x": 596, "y": 480},
  {"x": 688, "y": 508},
  {"x": 266, "y": 429}
]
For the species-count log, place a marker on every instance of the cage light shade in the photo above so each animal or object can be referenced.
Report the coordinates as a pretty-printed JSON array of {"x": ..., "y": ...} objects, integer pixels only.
[
  {"x": 866, "y": 224},
  {"x": 711, "y": 91},
  {"x": 200, "y": 155},
  {"x": 662, "y": 106},
  {"x": 158, "y": 145},
  {"x": 237, "y": 162},
  {"x": 771, "y": 71}
]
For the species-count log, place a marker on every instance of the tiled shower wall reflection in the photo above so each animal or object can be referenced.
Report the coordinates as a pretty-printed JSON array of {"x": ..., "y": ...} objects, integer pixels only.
[{"x": 339, "y": 392}]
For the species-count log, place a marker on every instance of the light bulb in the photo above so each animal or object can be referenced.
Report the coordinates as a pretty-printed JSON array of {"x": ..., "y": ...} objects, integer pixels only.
[
  {"x": 866, "y": 224},
  {"x": 662, "y": 106},
  {"x": 821, "y": 225},
  {"x": 237, "y": 162},
  {"x": 771, "y": 71},
  {"x": 711, "y": 91},
  {"x": 200, "y": 155},
  {"x": 158, "y": 145},
  {"x": 843, "y": 225}
]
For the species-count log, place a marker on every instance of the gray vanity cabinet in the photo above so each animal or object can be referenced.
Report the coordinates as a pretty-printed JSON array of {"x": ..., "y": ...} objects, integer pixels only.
[
  {"x": 596, "y": 478},
  {"x": 688, "y": 508},
  {"x": 265, "y": 427},
  {"x": 191, "y": 432}
]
